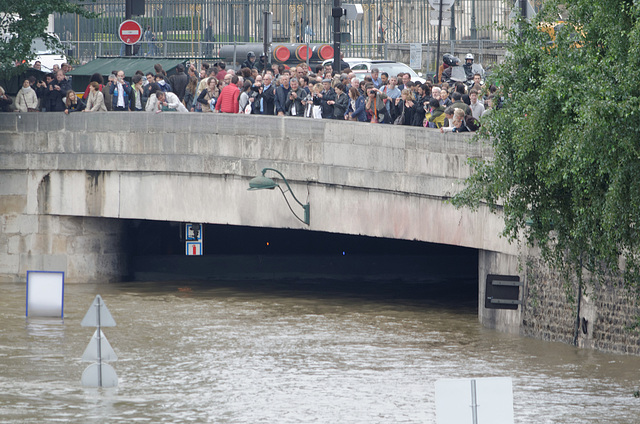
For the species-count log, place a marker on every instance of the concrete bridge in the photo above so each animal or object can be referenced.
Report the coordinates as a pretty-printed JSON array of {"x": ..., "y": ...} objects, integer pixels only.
[{"x": 67, "y": 183}]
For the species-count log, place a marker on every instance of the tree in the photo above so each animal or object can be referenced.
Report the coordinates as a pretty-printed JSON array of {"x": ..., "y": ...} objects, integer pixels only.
[
  {"x": 24, "y": 20},
  {"x": 566, "y": 165}
]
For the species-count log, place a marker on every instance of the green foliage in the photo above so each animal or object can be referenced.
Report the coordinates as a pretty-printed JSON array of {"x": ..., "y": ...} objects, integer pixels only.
[
  {"x": 24, "y": 20},
  {"x": 566, "y": 166}
]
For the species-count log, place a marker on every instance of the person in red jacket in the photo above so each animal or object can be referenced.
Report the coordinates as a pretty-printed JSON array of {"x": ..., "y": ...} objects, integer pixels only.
[{"x": 228, "y": 99}]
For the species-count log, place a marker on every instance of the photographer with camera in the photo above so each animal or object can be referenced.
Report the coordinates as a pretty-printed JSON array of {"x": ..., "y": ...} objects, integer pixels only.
[
  {"x": 296, "y": 101},
  {"x": 255, "y": 97},
  {"x": 121, "y": 92},
  {"x": 40, "y": 87},
  {"x": 374, "y": 106},
  {"x": 56, "y": 92}
]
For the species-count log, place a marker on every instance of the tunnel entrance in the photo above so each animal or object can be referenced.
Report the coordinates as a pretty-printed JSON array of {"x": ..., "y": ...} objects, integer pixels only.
[{"x": 401, "y": 268}]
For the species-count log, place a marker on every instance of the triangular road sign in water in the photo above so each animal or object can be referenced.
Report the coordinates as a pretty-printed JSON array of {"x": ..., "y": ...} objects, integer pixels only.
[
  {"x": 98, "y": 315},
  {"x": 99, "y": 375},
  {"x": 99, "y": 349}
]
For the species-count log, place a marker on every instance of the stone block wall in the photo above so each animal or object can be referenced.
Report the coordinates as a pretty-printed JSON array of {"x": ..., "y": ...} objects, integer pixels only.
[
  {"x": 608, "y": 313},
  {"x": 87, "y": 249},
  {"x": 618, "y": 313}
]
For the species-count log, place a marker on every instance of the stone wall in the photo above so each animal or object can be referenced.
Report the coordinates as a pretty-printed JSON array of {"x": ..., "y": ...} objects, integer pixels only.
[
  {"x": 608, "y": 314},
  {"x": 87, "y": 249}
]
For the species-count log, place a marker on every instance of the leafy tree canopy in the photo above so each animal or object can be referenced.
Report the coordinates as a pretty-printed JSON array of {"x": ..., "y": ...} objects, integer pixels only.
[
  {"x": 566, "y": 165},
  {"x": 21, "y": 21}
]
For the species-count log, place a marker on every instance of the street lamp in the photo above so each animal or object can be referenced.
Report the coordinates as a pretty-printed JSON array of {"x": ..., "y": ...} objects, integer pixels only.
[{"x": 262, "y": 183}]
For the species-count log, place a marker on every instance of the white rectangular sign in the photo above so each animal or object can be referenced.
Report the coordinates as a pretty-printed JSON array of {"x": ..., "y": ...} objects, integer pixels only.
[
  {"x": 45, "y": 294},
  {"x": 415, "y": 55},
  {"x": 445, "y": 22},
  {"x": 435, "y": 13},
  {"x": 446, "y": 14},
  {"x": 445, "y": 3},
  {"x": 194, "y": 248},
  {"x": 474, "y": 401}
]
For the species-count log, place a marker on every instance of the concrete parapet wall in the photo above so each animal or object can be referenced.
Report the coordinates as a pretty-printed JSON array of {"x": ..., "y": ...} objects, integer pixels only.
[{"x": 185, "y": 141}]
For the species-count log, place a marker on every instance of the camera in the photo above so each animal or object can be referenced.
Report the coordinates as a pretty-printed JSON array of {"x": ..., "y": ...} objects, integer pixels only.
[{"x": 256, "y": 89}]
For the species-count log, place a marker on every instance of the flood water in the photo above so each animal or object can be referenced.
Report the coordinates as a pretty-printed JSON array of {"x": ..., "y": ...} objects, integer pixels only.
[{"x": 290, "y": 352}]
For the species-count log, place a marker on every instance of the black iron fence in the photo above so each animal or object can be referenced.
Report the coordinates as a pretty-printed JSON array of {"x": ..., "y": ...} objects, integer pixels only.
[{"x": 185, "y": 24}]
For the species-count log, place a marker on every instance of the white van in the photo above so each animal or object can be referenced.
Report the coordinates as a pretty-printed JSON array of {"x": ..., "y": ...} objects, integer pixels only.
[{"x": 46, "y": 56}]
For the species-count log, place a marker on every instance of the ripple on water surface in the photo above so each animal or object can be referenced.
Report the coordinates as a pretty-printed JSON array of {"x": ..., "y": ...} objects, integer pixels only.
[{"x": 286, "y": 353}]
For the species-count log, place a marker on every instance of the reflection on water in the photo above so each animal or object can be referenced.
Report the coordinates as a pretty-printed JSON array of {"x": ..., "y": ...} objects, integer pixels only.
[{"x": 290, "y": 352}]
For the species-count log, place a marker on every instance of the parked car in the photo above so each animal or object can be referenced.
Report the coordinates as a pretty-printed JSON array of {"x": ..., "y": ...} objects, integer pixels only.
[
  {"x": 388, "y": 66},
  {"x": 349, "y": 60}
]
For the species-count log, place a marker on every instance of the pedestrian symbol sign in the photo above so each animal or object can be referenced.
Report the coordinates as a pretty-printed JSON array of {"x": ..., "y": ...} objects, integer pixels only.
[{"x": 193, "y": 239}]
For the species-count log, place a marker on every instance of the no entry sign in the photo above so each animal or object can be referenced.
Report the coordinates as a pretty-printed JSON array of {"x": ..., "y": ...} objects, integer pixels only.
[{"x": 130, "y": 32}]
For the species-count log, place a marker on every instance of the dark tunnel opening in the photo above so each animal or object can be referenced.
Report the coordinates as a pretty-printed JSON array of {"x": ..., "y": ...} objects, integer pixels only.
[{"x": 390, "y": 267}]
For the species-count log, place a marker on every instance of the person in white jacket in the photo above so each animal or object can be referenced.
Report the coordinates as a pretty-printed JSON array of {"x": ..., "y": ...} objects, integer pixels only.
[
  {"x": 95, "y": 99},
  {"x": 26, "y": 98},
  {"x": 168, "y": 101}
]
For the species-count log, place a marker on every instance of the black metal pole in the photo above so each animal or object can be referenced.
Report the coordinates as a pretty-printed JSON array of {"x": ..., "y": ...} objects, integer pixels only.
[
  {"x": 474, "y": 29},
  {"x": 128, "y": 49},
  {"x": 452, "y": 27},
  {"x": 438, "y": 48},
  {"x": 336, "y": 12},
  {"x": 266, "y": 36}
]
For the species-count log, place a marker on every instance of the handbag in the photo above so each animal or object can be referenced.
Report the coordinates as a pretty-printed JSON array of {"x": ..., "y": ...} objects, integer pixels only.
[
  {"x": 400, "y": 119},
  {"x": 374, "y": 118}
]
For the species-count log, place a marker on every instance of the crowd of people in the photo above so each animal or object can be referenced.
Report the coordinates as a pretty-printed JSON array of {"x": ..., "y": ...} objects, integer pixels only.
[{"x": 299, "y": 91}]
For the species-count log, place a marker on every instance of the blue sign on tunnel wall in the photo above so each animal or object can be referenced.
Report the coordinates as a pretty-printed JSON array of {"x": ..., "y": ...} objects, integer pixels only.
[{"x": 193, "y": 239}]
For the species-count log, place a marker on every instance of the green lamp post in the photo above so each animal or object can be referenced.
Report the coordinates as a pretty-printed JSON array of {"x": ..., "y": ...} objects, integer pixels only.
[{"x": 262, "y": 183}]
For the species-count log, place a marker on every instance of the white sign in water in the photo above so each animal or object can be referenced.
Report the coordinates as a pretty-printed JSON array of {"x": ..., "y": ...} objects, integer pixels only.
[
  {"x": 45, "y": 294},
  {"x": 474, "y": 401},
  {"x": 98, "y": 315},
  {"x": 99, "y": 348}
]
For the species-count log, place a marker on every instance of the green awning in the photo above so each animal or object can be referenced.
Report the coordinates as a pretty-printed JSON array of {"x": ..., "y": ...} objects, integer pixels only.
[
  {"x": 14, "y": 84},
  {"x": 104, "y": 65}
]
